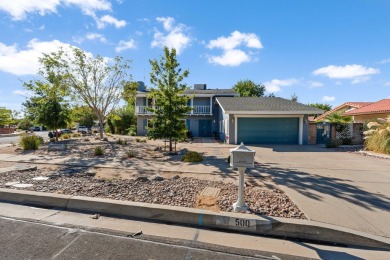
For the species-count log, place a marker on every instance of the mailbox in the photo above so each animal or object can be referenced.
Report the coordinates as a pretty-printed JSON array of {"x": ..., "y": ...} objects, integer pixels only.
[{"x": 242, "y": 156}]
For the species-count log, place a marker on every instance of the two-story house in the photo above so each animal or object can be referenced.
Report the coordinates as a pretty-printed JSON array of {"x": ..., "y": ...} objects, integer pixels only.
[{"x": 202, "y": 121}]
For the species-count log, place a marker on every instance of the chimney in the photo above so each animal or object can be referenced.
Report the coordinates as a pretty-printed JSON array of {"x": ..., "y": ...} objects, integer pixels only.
[{"x": 200, "y": 86}]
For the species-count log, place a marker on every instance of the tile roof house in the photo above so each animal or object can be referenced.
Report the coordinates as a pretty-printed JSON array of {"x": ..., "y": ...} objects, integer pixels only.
[
  {"x": 252, "y": 120},
  {"x": 379, "y": 109},
  {"x": 345, "y": 107}
]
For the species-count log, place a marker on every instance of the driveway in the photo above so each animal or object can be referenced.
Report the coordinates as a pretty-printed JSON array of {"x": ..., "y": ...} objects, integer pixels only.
[{"x": 339, "y": 188}]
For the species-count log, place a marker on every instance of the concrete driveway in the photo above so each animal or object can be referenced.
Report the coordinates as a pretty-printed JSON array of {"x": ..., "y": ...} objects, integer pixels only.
[{"x": 340, "y": 188}]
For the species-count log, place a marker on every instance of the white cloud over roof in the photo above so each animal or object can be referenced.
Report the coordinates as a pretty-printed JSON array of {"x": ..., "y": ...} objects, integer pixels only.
[
  {"x": 276, "y": 85},
  {"x": 232, "y": 53},
  {"x": 125, "y": 45},
  {"x": 175, "y": 35},
  {"x": 345, "y": 72}
]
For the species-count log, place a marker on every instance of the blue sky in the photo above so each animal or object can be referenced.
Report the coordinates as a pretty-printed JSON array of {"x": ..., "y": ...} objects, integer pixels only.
[{"x": 323, "y": 51}]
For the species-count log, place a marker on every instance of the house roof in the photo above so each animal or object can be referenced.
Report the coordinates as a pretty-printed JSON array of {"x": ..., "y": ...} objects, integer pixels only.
[
  {"x": 264, "y": 105},
  {"x": 382, "y": 106},
  {"x": 229, "y": 92},
  {"x": 346, "y": 104}
]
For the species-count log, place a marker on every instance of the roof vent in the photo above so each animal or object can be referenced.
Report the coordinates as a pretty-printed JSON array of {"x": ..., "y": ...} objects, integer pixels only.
[{"x": 200, "y": 86}]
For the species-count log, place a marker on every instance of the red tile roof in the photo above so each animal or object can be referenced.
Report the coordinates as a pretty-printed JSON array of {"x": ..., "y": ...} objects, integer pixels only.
[
  {"x": 382, "y": 106},
  {"x": 350, "y": 104}
]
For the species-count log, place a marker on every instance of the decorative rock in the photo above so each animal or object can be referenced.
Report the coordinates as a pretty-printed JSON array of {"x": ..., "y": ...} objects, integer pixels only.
[
  {"x": 40, "y": 178},
  {"x": 105, "y": 139},
  {"x": 175, "y": 177},
  {"x": 56, "y": 147},
  {"x": 183, "y": 151},
  {"x": 22, "y": 185},
  {"x": 12, "y": 183},
  {"x": 156, "y": 178},
  {"x": 142, "y": 179}
]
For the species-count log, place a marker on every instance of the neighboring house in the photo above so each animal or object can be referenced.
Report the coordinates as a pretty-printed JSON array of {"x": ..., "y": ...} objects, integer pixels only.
[
  {"x": 375, "y": 110},
  {"x": 201, "y": 121},
  {"x": 264, "y": 120},
  {"x": 345, "y": 107}
]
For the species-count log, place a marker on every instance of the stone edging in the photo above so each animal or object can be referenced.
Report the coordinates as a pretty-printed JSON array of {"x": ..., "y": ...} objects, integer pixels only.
[{"x": 246, "y": 223}]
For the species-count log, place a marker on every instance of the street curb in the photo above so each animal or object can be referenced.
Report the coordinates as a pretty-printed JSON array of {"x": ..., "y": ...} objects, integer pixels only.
[{"x": 245, "y": 223}]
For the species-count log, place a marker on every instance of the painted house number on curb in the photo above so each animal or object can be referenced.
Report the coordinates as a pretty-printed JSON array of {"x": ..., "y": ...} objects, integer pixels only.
[{"x": 243, "y": 222}]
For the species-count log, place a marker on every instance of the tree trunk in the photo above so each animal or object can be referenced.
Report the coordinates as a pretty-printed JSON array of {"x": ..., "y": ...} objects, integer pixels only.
[
  {"x": 170, "y": 144},
  {"x": 101, "y": 129}
]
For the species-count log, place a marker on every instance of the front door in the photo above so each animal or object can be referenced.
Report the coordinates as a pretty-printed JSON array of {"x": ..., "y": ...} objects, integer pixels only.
[
  {"x": 324, "y": 131},
  {"x": 205, "y": 128}
]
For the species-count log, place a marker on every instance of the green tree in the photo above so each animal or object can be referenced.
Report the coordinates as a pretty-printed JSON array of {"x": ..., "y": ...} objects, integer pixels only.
[
  {"x": 5, "y": 116},
  {"x": 294, "y": 98},
  {"x": 170, "y": 102},
  {"x": 247, "y": 88},
  {"x": 25, "y": 124},
  {"x": 121, "y": 119},
  {"x": 96, "y": 81},
  {"x": 325, "y": 107},
  {"x": 337, "y": 118},
  {"x": 83, "y": 115},
  {"x": 53, "y": 114}
]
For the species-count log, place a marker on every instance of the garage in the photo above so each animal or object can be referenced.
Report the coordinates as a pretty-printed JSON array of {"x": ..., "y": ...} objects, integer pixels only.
[{"x": 280, "y": 130}]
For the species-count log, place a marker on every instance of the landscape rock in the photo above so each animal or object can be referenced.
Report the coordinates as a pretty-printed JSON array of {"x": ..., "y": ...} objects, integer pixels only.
[
  {"x": 142, "y": 179},
  {"x": 156, "y": 178}
]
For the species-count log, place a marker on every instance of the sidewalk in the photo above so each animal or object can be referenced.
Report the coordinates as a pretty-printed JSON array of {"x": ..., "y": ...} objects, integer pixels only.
[{"x": 239, "y": 244}]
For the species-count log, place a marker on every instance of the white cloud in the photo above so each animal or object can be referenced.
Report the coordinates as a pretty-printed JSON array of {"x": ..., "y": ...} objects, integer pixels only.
[
  {"x": 346, "y": 72},
  {"x": 276, "y": 84},
  {"x": 24, "y": 93},
  {"x": 387, "y": 83},
  {"x": 384, "y": 61},
  {"x": 96, "y": 36},
  {"x": 125, "y": 45},
  {"x": 328, "y": 98},
  {"x": 20, "y": 8},
  {"x": 232, "y": 55},
  {"x": 315, "y": 84},
  {"x": 360, "y": 80},
  {"x": 108, "y": 19},
  {"x": 175, "y": 36},
  {"x": 25, "y": 62}
]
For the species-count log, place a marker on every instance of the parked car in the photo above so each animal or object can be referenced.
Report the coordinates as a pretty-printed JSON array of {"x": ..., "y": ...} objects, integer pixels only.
[
  {"x": 66, "y": 131},
  {"x": 35, "y": 128},
  {"x": 82, "y": 129},
  {"x": 52, "y": 134}
]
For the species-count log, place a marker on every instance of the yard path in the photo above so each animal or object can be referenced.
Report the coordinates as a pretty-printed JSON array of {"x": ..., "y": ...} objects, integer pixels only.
[{"x": 339, "y": 188}]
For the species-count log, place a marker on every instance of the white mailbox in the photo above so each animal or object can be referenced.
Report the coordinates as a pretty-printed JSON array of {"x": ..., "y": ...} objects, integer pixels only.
[{"x": 242, "y": 156}]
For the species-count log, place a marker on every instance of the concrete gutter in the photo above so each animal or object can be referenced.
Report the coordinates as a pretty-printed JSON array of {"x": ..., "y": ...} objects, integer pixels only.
[{"x": 244, "y": 223}]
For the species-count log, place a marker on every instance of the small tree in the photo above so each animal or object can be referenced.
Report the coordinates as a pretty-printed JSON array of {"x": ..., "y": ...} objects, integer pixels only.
[
  {"x": 96, "y": 81},
  {"x": 170, "y": 103},
  {"x": 341, "y": 124},
  {"x": 325, "y": 107},
  {"x": 53, "y": 115},
  {"x": 247, "y": 88},
  {"x": 5, "y": 116}
]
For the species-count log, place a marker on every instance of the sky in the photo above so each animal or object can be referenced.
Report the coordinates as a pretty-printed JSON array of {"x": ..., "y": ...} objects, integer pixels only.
[{"x": 331, "y": 51}]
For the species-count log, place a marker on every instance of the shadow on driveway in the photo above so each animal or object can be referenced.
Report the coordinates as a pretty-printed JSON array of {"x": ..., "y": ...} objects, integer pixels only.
[{"x": 312, "y": 185}]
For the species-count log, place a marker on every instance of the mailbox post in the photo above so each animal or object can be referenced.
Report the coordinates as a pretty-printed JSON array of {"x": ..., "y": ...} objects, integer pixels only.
[{"x": 241, "y": 157}]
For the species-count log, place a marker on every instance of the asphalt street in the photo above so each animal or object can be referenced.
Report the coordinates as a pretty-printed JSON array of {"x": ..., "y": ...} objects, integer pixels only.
[
  {"x": 15, "y": 139},
  {"x": 27, "y": 240}
]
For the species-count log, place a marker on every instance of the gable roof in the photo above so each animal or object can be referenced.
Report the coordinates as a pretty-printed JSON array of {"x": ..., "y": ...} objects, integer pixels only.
[
  {"x": 264, "y": 105},
  {"x": 346, "y": 104},
  {"x": 230, "y": 92},
  {"x": 382, "y": 106}
]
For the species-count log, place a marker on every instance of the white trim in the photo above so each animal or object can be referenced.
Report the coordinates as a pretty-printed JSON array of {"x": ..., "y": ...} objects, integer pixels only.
[
  {"x": 235, "y": 129},
  {"x": 270, "y": 116},
  {"x": 270, "y": 112},
  {"x": 223, "y": 110},
  {"x": 300, "y": 135}
]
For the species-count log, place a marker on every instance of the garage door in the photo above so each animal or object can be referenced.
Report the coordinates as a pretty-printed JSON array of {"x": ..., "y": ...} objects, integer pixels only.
[{"x": 268, "y": 130}]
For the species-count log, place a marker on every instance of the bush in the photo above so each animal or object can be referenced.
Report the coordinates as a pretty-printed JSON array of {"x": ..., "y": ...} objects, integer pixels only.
[
  {"x": 138, "y": 140},
  {"x": 132, "y": 130},
  {"x": 65, "y": 136},
  {"x": 52, "y": 140},
  {"x": 31, "y": 142},
  {"x": 98, "y": 151},
  {"x": 121, "y": 142},
  {"x": 377, "y": 138},
  {"x": 76, "y": 135},
  {"x": 143, "y": 140},
  {"x": 346, "y": 141},
  {"x": 131, "y": 153},
  {"x": 333, "y": 143},
  {"x": 192, "y": 156}
]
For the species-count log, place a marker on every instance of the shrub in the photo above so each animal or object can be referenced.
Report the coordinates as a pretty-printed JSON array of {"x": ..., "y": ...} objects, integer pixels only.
[
  {"x": 132, "y": 130},
  {"x": 76, "y": 135},
  {"x": 65, "y": 136},
  {"x": 122, "y": 142},
  {"x": 52, "y": 140},
  {"x": 95, "y": 131},
  {"x": 131, "y": 153},
  {"x": 138, "y": 140},
  {"x": 346, "y": 141},
  {"x": 333, "y": 143},
  {"x": 192, "y": 156},
  {"x": 30, "y": 142},
  {"x": 377, "y": 138},
  {"x": 98, "y": 151},
  {"x": 143, "y": 140}
]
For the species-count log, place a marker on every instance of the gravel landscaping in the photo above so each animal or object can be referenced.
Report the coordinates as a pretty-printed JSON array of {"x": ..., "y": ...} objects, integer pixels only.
[{"x": 173, "y": 191}]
